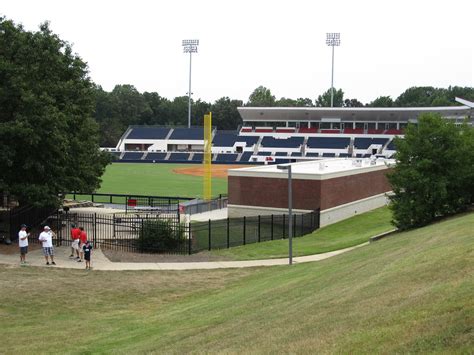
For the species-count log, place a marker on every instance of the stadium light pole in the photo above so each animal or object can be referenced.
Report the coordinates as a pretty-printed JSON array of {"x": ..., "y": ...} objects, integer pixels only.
[
  {"x": 190, "y": 46},
  {"x": 290, "y": 213},
  {"x": 333, "y": 40}
]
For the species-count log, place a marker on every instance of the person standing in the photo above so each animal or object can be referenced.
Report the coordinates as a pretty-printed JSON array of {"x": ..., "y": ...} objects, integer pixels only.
[
  {"x": 83, "y": 240},
  {"x": 75, "y": 235},
  {"x": 23, "y": 243},
  {"x": 46, "y": 237},
  {"x": 87, "y": 248}
]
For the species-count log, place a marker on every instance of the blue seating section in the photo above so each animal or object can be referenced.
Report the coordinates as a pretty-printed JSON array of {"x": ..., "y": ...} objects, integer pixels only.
[
  {"x": 226, "y": 158},
  {"x": 329, "y": 155},
  {"x": 281, "y": 154},
  {"x": 148, "y": 133},
  {"x": 391, "y": 146},
  {"x": 187, "y": 134},
  {"x": 178, "y": 157},
  {"x": 246, "y": 156},
  {"x": 282, "y": 161},
  {"x": 312, "y": 154},
  {"x": 156, "y": 156},
  {"x": 224, "y": 139},
  {"x": 344, "y": 155},
  {"x": 296, "y": 154},
  {"x": 198, "y": 157},
  {"x": 264, "y": 153},
  {"x": 132, "y": 156},
  {"x": 328, "y": 142},
  {"x": 292, "y": 142},
  {"x": 364, "y": 143},
  {"x": 250, "y": 140}
]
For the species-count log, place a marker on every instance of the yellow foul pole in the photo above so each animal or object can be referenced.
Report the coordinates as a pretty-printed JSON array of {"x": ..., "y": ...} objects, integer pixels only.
[{"x": 207, "y": 161}]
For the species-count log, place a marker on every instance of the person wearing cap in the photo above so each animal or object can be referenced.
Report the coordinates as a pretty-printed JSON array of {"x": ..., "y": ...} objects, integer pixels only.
[
  {"x": 23, "y": 243},
  {"x": 46, "y": 237}
]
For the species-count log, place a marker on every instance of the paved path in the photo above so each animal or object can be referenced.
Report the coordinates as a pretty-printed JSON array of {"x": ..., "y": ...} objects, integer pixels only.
[{"x": 100, "y": 262}]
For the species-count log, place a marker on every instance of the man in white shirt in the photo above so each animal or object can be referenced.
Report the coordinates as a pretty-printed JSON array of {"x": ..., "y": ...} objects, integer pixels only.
[
  {"x": 23, "y": 243},
  {"x": 46, "y": 237}
]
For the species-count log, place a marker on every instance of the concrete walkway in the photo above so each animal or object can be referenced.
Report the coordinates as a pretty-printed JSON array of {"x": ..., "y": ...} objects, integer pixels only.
[{"x": 100, "y": 262}]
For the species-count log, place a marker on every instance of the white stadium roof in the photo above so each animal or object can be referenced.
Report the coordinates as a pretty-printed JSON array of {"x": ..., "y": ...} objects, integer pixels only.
[{"x": 387, "y": 114}]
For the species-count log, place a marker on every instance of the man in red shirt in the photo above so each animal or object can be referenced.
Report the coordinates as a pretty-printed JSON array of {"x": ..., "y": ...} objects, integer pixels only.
[
  {"x": 75, "y": 235},
  {"x": 83, "y": 240}
]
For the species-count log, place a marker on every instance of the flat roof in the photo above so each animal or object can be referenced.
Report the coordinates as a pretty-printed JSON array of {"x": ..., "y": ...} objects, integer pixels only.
[
  {"x": 386, "y": 114},
  {"x": 317, "y": 169}
]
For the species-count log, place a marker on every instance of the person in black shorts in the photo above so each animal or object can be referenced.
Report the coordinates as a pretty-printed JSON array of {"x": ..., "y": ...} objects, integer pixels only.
[{"x": 87, "y": 249}]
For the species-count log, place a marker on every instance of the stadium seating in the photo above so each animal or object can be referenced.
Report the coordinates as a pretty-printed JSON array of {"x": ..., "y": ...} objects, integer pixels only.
[
  {"x": 225, "y": 139},
  {"x": 282, "y": 161},
  {"x": 264, "y": 153},
  {"x": 364, "y": 143},
  {"x": 296, "y": 154},
  {"x": 198, "y": 157},
  {"x": 391, "y": 146},
  {"x": 155, "y": 156},
  {"x": 375, "y": 131},
  {"x": 344, "y": 155},
  {"x": 226, "y": 158},
  {"x": 329, "y": 155},
  {"x": 263, "y": 130},
  {"x": 328, "y": 142},
  {"x": 281, "y": 154},
  {"x": 246, "y": 129},
  {"x": 353, "y": 130},
  {"x": 187, "y": 134},
  {"x": 132, "y": 156},
  {"x": 330, "y": 131},
  {"x": 311, "y": 155},
  {"x": 292, "y": 142},
  {"x": 393, "y": 131},
  {"x": 148, "y": 133},
  {"x": 178, "y": 157},
  {"x": 308, "y": 130},
  {"x": 285, "y": 130},
  {"x": 246, "y": 156},
  {"x": 250, "y": 140}
]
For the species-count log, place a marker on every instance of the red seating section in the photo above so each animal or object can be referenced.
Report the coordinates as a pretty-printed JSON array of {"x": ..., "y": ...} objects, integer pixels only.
[
  {"x": 375, "y": 131},
  {"x": 330, "y": 131},
  {"x": 308, "y": 130},
  {"x": 354, "y": 130}
]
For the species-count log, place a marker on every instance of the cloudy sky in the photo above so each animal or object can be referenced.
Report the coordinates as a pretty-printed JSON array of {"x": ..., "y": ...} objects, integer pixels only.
[{"x": 387, "y": 46}]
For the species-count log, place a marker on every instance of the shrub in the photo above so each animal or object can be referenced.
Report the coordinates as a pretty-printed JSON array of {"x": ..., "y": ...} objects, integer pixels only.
[{"x": 161, "y": 235}]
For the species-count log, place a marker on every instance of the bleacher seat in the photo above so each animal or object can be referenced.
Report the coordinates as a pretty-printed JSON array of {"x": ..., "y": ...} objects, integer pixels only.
[
  {"x": 296, "y": 154},
  {"x": 249, "y": 140},
  {"x": 178, "y": 157},
  {"x": 344, "y": 155},
  {"x": 285, "y": 130},
  {"x": 246, "y": 129},
  {"x": 364, "y": 143},
  {"x": 393, "y": 131},
  {"x": 188, "y": 134},
  {"x": 329, "y": 155},
  {"x": 328, "y": 142},
  {"x": 198, "y": 157},
  {"x": 224, "y": 139},
  {"x": 282, "y": 161},
  {"x": 246, "y": 156},
  {"x": 148, "y": 133},
  {"x": 263, "y": 130},
  {"x": 308, "y": 130},
  {"x": 391, "y": 146},
  {"x": 375, "y": 131},
  {"x": 312, "y": 155},
  {"x": 226, "y": 158},
  {"x": 155, "y": 156},
  {"x": 132, "y": 156},
  {"x": 264, "y": 153},
  {"x": 353, "y": 130},
  {"x": 281, "y": 154},
  {"x": 330, "y": 131},
  {"x": 292, "y": 142}
]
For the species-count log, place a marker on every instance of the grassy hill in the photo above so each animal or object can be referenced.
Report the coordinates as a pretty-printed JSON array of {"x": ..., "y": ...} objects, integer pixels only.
[{"x": 407, "y": 293}]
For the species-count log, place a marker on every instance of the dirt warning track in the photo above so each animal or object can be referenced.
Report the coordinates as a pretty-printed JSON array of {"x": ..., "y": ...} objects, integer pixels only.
[{"x": 219, "y": 171}]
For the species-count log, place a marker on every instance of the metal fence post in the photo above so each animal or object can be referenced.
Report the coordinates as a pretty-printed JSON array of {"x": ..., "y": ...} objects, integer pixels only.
[
  {"x": 228, "y": 236},
  {"x": 271, "y": 228},
  {"x": 283, "y": 229},
  {"x": 259, "y": 228},
  {"x": 244, "y": 230},
  {"x": 94, "y": 242},
  {"x": 190, "y": 241},
  {"x": 209, "y": 234}
]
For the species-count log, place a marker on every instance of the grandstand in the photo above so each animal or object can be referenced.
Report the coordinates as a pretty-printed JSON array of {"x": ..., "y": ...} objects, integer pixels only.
[{"x": 275, "y": 134}]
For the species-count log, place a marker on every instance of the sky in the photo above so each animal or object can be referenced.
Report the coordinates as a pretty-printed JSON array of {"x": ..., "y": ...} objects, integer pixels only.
[{"x": 386, "y": 46}]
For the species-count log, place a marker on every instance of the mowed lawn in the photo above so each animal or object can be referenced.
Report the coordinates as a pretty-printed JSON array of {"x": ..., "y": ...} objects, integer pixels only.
[
  {"x": 155, "y": 180},
  {"x": 343, "y": 234},
  {"x": 411, "y": 292}
]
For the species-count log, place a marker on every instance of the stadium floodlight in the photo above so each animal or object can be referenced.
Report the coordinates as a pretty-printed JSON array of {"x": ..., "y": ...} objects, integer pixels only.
[
  {"x": 290, "y": 213},
  {"x": 190, "y": 46},
  {"x": 333, "y": 39}
]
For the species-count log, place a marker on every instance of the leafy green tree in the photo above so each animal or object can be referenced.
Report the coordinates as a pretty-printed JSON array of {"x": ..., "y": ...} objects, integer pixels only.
[
  {"x": 352, "y": 103},
  {"x": 304, "y": 102},
  {"x": 48, "y": 139},
  {"x": 434, "y": 170},
  {"x": 261, "y": 97},
  {"x": 324, "y": 100},
  {"x": 225, "y": 114},
  {"x": 382, "y": 101}
]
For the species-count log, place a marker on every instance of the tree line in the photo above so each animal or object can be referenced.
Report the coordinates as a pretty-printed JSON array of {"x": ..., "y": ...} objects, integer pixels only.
[{"x": 125, "y": 105}]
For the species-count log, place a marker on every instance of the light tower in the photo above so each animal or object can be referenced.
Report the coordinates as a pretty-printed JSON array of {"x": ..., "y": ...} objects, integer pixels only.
[
  {"x": 333, "y": 40},
  {"x": 190, "y": 46}
]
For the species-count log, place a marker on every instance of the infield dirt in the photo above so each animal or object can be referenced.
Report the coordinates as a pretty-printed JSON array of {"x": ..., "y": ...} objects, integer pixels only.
[{"x": 219, "y": 171}]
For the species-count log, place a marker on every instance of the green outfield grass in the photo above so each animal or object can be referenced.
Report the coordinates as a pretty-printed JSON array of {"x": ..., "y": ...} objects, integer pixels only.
[
  {"x": 344, "y": 234},
  {"x": 156, "y": 180},
  {"x": 410, "y": 293}
]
